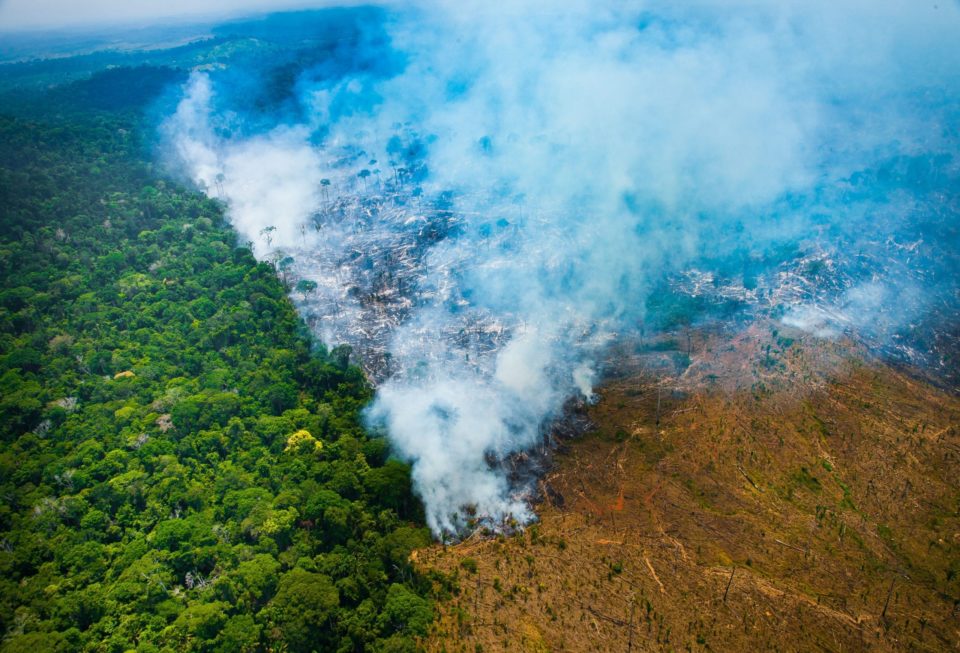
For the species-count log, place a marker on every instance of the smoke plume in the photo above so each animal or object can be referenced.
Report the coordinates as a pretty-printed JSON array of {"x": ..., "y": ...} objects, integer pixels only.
[{"x": 481, "y": 197}]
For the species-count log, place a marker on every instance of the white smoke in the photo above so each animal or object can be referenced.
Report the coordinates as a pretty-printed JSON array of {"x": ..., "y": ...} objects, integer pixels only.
[
  {"x": 868, "y": 308},
  {"x": 611, "y": 143},
  {"x": 271, "y": 182}
]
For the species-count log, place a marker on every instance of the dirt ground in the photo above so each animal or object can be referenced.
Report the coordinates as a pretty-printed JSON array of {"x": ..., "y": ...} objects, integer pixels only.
[{"x": 738, "y": 493}]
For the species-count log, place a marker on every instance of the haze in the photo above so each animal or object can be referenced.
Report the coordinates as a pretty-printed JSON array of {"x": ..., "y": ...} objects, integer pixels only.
[{"x": 22, "y": 15}]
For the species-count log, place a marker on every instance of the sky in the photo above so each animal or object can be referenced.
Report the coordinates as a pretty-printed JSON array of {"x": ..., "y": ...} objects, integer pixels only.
[{"x": 18, "y": 15}]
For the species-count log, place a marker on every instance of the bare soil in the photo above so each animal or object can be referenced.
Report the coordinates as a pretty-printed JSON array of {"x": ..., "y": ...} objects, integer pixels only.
[{"x": 768, "y": 493}]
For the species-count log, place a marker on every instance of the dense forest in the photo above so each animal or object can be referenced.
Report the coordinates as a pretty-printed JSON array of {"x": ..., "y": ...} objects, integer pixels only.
[{"x": 183, "y": 467}]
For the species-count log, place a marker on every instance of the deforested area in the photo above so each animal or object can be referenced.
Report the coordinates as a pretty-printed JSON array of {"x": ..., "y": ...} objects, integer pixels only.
[{"x": 464, "y": 326}]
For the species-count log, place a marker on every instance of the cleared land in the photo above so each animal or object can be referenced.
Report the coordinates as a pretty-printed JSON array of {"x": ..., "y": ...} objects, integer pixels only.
[{"x": 766, "y": 493}]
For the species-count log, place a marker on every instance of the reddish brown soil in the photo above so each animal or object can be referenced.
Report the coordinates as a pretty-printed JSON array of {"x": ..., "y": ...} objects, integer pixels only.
[{"x": 789, "y": 499}]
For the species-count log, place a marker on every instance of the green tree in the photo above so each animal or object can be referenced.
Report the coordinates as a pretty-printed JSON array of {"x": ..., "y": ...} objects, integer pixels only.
[
  {"x": 301, "y": 612},
  {"x": 405, "y": 612}
]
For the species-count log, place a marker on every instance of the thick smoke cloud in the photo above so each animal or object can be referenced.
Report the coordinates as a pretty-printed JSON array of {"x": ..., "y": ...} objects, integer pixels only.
[{"x": 590, "y": 151}]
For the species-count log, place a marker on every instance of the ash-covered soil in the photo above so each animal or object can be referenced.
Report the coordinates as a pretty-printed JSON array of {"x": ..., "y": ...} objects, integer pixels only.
[{"x": 380, "y": 260}]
